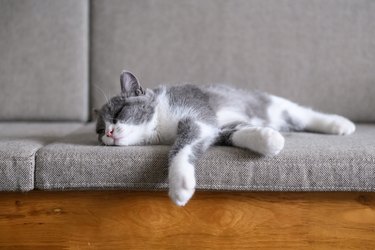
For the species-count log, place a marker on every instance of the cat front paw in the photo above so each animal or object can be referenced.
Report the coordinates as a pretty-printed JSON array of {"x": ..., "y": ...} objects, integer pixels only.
[
  {"x": 341, "y": 126},
  {"x": 181, "y": 184}
]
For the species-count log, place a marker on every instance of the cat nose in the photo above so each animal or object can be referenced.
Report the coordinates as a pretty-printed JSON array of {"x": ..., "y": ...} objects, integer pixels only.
[{"x": 109, "y": 133}]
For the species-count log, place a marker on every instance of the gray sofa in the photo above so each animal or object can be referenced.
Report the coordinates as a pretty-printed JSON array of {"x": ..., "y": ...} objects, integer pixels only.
[{"x": 58, "y": 57}]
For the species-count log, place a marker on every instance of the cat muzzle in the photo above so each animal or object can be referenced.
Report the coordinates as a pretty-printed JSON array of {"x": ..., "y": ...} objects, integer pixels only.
[{"x": 109, "y": 133}]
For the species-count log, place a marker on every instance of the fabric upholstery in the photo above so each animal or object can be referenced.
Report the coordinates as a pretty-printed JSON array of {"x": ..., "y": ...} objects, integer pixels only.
[
  {"x": 18, "y": 144},
  {"x": 44, "y": 58},
  {"x": 316, "y": 52},
  {"x": 309, "y": 162}
]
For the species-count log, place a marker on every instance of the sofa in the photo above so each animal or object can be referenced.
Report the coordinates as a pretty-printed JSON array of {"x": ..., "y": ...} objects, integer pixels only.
[{"x": 62, "y": 59}]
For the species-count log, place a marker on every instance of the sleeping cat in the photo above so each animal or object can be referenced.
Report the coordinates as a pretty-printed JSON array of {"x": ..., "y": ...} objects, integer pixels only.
[{"x": 192, "y": 118}]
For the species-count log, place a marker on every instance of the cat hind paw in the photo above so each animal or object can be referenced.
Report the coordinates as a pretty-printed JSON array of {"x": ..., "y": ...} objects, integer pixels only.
[{"x": 341, "y": 126}]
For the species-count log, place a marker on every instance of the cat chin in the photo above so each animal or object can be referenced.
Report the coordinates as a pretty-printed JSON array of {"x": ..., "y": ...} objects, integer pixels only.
[
  {"x": 122, "y": 142},
  {"x": 107, "y": 140},
  {"x": 115, "y": 142},
  {"x": 127, "y": 142}
]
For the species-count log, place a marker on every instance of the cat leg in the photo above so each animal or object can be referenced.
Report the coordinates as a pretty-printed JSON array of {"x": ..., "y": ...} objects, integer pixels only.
[
  {"x": 193, "y": 138},
  {"x": 263, "y": 140},
  {"x": 329, "y": 124},
  {"x": 301, "y": 118}
]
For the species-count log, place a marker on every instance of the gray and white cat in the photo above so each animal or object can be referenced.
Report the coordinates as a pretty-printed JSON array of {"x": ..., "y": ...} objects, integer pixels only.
[{"x": 192, "y": 118}]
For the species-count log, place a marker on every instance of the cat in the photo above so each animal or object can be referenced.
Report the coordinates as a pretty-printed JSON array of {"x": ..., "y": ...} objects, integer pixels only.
[{"x": 192, "y": 118}]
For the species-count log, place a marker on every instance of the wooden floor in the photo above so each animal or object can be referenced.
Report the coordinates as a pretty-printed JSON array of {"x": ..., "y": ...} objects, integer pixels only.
[{"x": 148, "y": 220}]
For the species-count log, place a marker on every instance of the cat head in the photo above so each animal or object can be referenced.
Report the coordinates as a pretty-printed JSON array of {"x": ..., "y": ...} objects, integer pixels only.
[{"x": 127, "y": 119}]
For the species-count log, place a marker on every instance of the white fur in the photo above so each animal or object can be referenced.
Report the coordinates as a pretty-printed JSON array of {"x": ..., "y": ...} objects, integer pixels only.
[
  {"x": 207, "y": 133},
  {"x": 181, "y": 177},
  {"x": 107, "y": 140},
  {"x": 132, "y": 134},
  {"x": 265, "y": 141},
  {"x": 228, "y": 115},
  {"x": 278, "y": 105},
  {"x": 309, "y": 119},
  {"x": 257, "y": 122},
  {"x": 127, "y": 134},
  {"x": 331, "y": 124},
  {"x": 166, "y": 120}
]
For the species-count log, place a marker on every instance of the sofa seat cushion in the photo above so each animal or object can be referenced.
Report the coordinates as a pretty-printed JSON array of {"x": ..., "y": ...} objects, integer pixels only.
[
  {"x": 18, "y": 145},
  {"x": 309, "y": 162}
]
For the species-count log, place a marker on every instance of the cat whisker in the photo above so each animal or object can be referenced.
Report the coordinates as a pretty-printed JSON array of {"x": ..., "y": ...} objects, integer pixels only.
[{"x": 102, "y": 91}]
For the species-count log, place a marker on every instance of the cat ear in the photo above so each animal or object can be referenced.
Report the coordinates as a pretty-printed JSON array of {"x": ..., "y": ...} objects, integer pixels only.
[{"x": 130, "y": 85}]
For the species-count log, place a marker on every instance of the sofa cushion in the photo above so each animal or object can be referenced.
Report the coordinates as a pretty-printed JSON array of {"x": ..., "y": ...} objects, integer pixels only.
[
  {"x": 43, "y": 66},
  {"x": 18, "y": 144},
  {"x": 309, "y": 162},
  {"x": 319, "y": 53}
]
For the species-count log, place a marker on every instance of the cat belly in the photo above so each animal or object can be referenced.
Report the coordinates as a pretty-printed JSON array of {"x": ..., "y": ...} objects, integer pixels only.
[
  {"x": 167, "y": 133},
  {"x": 227, "y": 116}
]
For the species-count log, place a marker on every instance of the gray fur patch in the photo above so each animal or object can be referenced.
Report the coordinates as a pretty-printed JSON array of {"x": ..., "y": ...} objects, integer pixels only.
[
  {"x": 225, "y": 135},
  {"x": 187, "y": 132},
  {"x": 193, "y": 97},
  {"x": 225, "y": 138},
  {"x": 257, "y": 106},
  {"x": 132, "y": 110},
  {"x": 197, "y": 151},
  {"x": 253, "y": 104},
  {"x": 291, "y": 124},
  {"x": 100, "y": 128},
  {"x": 137, "y": 112},
  {"x": 110, "y": 110}
]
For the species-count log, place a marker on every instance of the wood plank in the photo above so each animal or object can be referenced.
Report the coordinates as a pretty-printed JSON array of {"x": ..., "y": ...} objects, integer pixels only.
[{"x": 148, "y": 220}]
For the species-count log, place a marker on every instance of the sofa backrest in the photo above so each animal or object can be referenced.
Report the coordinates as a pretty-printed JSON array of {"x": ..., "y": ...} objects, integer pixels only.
[
  {"x": 320, "y": 53},
  {"x": 43, "y": 60}
]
